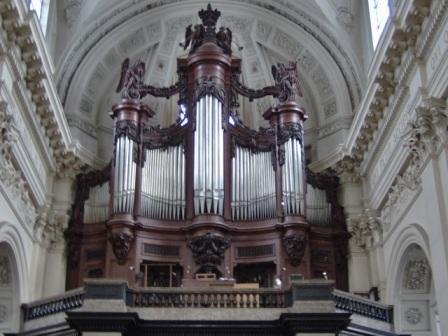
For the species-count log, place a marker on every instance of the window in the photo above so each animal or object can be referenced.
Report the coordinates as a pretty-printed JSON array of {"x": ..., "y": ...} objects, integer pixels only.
[
  {"x": 379, "y": 14},
  {"x": 41, "y": 9}
]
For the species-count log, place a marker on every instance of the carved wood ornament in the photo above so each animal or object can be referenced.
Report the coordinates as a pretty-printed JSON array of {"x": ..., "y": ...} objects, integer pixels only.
[
  {"x": 295, "y": 246},
  {"x": 208, "y": 249}
]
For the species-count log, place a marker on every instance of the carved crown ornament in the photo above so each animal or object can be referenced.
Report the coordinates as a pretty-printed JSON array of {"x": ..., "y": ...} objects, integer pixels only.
[{"x": 19, "y": 33}]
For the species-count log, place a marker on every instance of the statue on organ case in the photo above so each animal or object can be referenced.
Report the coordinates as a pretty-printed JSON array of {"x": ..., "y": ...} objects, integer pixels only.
[
  {"x": 131, "y": 79},
  {"x": 286, "y": 81}
]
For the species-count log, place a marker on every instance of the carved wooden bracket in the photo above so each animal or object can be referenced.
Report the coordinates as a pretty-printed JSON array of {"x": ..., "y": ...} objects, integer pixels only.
[
  {"x": 121, "y": 244},
  {"x": 295, "y": 246},
  {"x": 208, "y": 249}
]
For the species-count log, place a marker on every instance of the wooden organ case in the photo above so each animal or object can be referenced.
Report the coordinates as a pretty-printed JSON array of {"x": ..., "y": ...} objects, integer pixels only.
[{"x": 207, "y": 195}]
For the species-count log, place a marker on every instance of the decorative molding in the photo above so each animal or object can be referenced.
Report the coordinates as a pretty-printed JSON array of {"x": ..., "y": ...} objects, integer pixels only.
[
  {"x": 23, "y": 35},
  {"x": 398, "y": 55},
  {"x": 85, "y": 126},
  {"x": 413, "y": 315},
  {"x": 424, "y": 137},
  {"x": 12, "y": 179},
  {"x": 337, "y": 125}
]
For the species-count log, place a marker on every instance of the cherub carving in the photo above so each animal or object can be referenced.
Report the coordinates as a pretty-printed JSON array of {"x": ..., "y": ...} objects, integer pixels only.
[{"x": 131, "y": 79}]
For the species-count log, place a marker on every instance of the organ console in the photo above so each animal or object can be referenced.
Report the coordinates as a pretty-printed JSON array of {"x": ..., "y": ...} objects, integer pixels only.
[{"x": 207, "y": 195}]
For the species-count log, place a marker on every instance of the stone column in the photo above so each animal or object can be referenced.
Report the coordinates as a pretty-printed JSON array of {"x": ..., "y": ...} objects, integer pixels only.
[{"x": 350, "y": 198}]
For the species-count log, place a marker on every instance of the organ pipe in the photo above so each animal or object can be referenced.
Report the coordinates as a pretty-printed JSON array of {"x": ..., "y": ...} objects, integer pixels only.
[
  {"x": 292, "y": 179},
  {"x": 318, "y": 209},
  {"x": 125, "y": 173},
  {"x": 163, "y": 184},
  {"x": 96, "y": 207},
  {"x": 208, "y": 157},
  {"x": 253, "y": 185}
]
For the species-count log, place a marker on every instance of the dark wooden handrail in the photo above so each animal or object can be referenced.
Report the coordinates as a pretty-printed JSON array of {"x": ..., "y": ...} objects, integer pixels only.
[{"x": 358, "y": 305}]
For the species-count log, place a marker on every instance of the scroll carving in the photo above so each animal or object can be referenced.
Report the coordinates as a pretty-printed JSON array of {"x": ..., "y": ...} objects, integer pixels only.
[
  {"x": 295, "y": 246},
  {"x": 251, "y": 93}
]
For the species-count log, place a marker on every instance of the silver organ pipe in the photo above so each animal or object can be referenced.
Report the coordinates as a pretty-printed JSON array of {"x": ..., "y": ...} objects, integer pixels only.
[
  {"x": 253, "y": 185},
  {"x": 318, "y": 209},
  {"x": 125, "y": 173},
  {"x": 292, "y": 179},
  {"x": 163, "y": 184},
  {"x": 208, "y": 157},
  {"x": 96, "y": 207}
]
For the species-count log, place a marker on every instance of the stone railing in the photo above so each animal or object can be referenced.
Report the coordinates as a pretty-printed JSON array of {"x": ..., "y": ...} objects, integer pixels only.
[
  {"x": 209, "y": 298},
  {"x": 358, "y": 305},
  {"x": 204, "y": 298},
  {"x": 54, "y": 305}
]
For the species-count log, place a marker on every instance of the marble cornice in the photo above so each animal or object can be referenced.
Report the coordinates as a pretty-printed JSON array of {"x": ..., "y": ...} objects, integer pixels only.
[
  {"x": 22, "y": 41},
  {"x": 424, "y": 139},
  {"x": 398, "y": 62}
]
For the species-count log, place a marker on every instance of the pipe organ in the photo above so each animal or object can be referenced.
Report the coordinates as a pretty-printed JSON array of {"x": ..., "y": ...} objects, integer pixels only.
[{"x": 195, "y": 194}]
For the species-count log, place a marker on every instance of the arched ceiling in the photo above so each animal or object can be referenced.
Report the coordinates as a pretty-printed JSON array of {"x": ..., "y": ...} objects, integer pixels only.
[{"x": 272, "y": 31}]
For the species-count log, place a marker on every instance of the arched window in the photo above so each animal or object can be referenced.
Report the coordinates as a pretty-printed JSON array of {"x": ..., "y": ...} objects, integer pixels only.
[
  {"x": 41, "y": 8},
  {"x": 379, "y": 14}
]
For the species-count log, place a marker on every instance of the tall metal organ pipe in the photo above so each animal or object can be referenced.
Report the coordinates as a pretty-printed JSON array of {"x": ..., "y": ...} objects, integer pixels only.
[
  {"x": 125, "y": 173},
  {"x": 293, "y": 179},
  {"x": 163, "y": 184},
  {"x": 253, "y": 185},
  {"x": 208, "y": 180}
]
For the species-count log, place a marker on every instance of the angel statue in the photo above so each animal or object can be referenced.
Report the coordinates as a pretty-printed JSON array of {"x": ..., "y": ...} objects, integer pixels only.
[
  {"x": 224, "y": 38},
  {"x": 194, "y": 37},
  {"x": 131, "y": 79},
  {"x": 286, "y": 80},
  {"x": 188, "y": 37}
]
